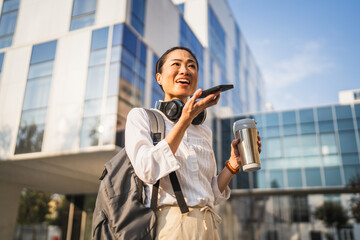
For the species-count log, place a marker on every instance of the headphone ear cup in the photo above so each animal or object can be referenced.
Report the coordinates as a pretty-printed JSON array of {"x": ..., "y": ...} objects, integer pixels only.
[
  {"x": 173, "y": 109},
  {"x": 199, "y": 119}
]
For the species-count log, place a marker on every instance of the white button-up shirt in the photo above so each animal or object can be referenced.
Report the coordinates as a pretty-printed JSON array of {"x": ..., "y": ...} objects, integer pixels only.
[{"x": 194, "y": 162}]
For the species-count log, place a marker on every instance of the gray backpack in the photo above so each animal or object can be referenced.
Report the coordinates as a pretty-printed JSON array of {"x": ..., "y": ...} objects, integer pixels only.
[{"x": 119, "y": 210}]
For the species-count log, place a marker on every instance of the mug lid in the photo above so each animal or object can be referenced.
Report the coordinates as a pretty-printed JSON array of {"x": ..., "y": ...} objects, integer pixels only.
[{"x": 244, "y": 123}]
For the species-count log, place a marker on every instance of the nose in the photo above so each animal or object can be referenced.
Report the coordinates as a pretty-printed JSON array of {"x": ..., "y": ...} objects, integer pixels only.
[{"x": 184, "y": 70}]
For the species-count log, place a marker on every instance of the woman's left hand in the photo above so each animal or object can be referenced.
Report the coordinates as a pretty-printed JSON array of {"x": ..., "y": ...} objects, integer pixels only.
[{"x": 235, "y": 158}]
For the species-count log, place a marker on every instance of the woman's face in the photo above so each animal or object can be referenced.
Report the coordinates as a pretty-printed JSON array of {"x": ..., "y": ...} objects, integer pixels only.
[{"x": 179, "y": 76}]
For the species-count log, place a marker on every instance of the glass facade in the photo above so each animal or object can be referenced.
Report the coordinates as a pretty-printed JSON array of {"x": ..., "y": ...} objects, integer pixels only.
[
  {"x": 314, "y": 147},
  {"x": 36, "y": 98},
  {"x": 1, "y": 62},
  {"x": 8, "y": 20},
  {"x": 83, "y": 14},
  {"x": 156, "y": 93},
  {"x": 138, "y": 15}
]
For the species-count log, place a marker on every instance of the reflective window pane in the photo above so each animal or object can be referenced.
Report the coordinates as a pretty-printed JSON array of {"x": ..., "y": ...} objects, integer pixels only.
[
  {"x": 294, "y": 178},
  {"x": 92, "y": 108},
  {"x": 343, "y": 112},
  {"x": 117, "y": 34},
  {"x": 350, "y": 159},
  {"x": 357, "y": 111},
  {"x": 312, "y": 161},
  {"x": 97, "y": 57},
  {"x": 116, "y": 54},
  {"x": 351, "y": 172},
  {"x": 306, "y": 115},
  {"x": 129, "y": 40},
  {"x": 37, "y": 93},
  {"x": 83, "y": 6},
  {"x": 7, "y": 23},
  {"x": 6, "y": 41},
  {"x": 289, "y": 117},
  {"x": 324, "y": 114},
  {"x": 331, "y": 160},
  {"x": 41, "y": 69},
  {"x": 99, "y": 38},
  {"x": 109, "y": 129},
  {"x": 85, "y": 21},
  {"x": 313, "y": 177},
  {"x": 348, "y": 142},
  {"x": 111, "y": 105},
  {"x": 272, "y": 119},
  {"x": 260, "y": 181},
  {"x": 37, "y": 117},
  {"x": 43, "y": 52},
  {"x": 89, "y": 135},
  {"x": 29, "y": 139},
  {"x": 310, "y": 146},
  {"x": 114, "y": 78},
  {"x": 10, "y": 5},
  {"x": 289, "y": 130},
  {"x": 292, "y": 146},
  {"x": 295, "y": 162},
  {"x": 307, "y": 128},
  {"x": 276, "y": 163},
  {"x": 346, "y": 124},
  {"x": 273, "y": 148},
  {"x": 332, "y": 176},
  {"x": 326, "y": 126},
  {"x": 272, "y": 132},
  {"x": 328, "y": 144},
  {"x": 276, "y": 179},
  {"x": 95, "y": 82}
]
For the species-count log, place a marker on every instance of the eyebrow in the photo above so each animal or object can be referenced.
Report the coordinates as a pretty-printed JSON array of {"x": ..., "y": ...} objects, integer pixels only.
[{"x": 189, "y": 60}]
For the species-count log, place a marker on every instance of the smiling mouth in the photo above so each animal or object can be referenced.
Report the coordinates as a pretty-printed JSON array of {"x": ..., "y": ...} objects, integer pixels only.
[{"x": 183, "y": 81}]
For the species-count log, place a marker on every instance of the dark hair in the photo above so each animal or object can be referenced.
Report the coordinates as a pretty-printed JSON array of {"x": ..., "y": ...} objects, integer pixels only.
[{"x": 163, "y": 57}]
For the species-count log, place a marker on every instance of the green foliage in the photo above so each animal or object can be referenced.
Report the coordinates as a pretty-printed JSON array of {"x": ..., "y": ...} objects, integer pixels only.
[
  {"x": 333, "y": 214},
  {"x": 355, "y": 199},
  {"x": 34, "y": 206}
]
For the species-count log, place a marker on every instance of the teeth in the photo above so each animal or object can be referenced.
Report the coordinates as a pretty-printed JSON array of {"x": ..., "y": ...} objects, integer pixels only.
[{"x": 183, "y": 81}]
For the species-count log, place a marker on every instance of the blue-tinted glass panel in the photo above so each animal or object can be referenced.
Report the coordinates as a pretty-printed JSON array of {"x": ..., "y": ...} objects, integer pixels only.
[
  {"x": 116, "y": 52},
  {"x": 226, "y": 133},
  {"x": 307, "y": 128},
  {"x": 348, "y": 142},
  {"x": 289, "y": 117},
  {"x": 97, "y": 57},
  {"x": 29, "y": 139},
  {"x": 292, "y": 146},
  {"x": 92, "y": 108},
  {"x": 343, "y": 112},
  {"x": 85, "y": 21},
  {"x": 181, "y": 7},
  {"x": 99, "y": 38},
  {"x": 128, "y": 59},
  {"x": 114, "y": 77},
  {"x": 310, "y": 145},
  {"x": 272, "y": 132},
  {"x": 83, "y": 6},
  {"x": 40, "y": 70},
  {"x": 37, "y": 93},
  {"x": 350, "y": 159},
  {"x": 142, "y": 53},
  {"x": 331, "y": 160},
  {"x": 6, "y": 41},
  {"x": 37, "y": 117},
  {"x": 332, "y": 176},
  {"x": 275, "y": 163},
  {"x": 324, "y": 114},
  {"x": 346, "y": 124},
  {"x": 289, "y": 130},
  {"x": 313, "y": 177},
  {"x": 311, "y": 161},
  {"x": 130, "y": 40},
  {"x": 89, "y": 135},
  {"x": 328, "y": 144},
  {"x": 276, "y": 179},
  {"x": 138, "y": 15},
  {"x": 351, "y": 173},
  {"x": 95, "y": 82},
  {"x": 273, "y": 147},
  {"x": 294, "y": 162},
  {"x": 272, "y": 119},
  {"x": 327, "y": 126},
  {"x": 43, "y": 52},
  {"x": 1, "y": 61},
  {"x": 294, "y": 178},
  {"x": 10, "y": 5},
  {"x": 357, "y": 111},
  {"x": 117, "y": 34},
  {"x": 260, "y": 179},
  {"x": 306, "y": 115},
  {"x": 8, "y": 23}
]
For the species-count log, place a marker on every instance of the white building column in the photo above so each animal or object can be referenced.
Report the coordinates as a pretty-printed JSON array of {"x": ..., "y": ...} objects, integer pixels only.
[{"x": 9, "y": 203}]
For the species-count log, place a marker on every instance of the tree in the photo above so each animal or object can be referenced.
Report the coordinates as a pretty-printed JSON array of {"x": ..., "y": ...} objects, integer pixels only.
[
  {"x": 333, "y": 215},
  {"x": 34, "y": 206},
  {"x": 355, "y": 199}
]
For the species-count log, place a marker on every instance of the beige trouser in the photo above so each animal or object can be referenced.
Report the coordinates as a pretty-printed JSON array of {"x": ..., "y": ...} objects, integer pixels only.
[{"x": 198, "y": 224}]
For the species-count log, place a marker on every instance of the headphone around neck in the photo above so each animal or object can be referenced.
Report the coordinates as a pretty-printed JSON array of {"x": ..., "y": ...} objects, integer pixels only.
[{"x": 173, "y": 109}]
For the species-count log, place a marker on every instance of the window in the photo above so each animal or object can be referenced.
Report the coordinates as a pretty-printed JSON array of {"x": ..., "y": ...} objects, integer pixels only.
[
  {"x": 310, "y": 145},
  {"x": 33, "y": 116},
  {"x": 217, "y": 40},
  {"x": 83, "y": 14},
  {"x": 300, "y": 211},
  {"x": 343, "y": 112},
  {"x": 289, "y": 117},
  {"x": 157, "y": 93},
  {"x": 348, "y": 142},
  {"x": 91, "y": 123},
  {"x": 8, "y": 19},
  {"x": 276, "y": 179},
  {"x": 294, "y": 178},
  {"x": 138, "y": 15},
  {"x": 306, "y": 115},
  {"x": 313, "y": 177},
  {"x": 332, "y": 176},
  {"x": 292, "y": 146},
  {"x": 1, "y": 62}
]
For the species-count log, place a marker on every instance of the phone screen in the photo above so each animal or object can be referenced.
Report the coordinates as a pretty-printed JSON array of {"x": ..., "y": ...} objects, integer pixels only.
[{"x": 212, "y": 90}]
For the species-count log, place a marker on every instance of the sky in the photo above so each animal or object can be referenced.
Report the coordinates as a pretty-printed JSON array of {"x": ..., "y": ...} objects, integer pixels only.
[{"x": 306, "y": 50}]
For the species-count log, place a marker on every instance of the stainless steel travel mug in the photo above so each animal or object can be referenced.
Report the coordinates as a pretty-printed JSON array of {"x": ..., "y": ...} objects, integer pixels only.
[{"x": 245, "y": 130}]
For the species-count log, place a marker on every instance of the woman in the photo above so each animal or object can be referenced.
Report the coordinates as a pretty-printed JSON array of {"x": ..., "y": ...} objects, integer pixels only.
[{"x": 186, "y": 149}]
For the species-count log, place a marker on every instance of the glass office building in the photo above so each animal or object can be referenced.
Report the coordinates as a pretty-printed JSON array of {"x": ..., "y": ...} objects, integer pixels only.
[
  {"x": 70, "y": 75},
  {"x": 308, "y": 157}
]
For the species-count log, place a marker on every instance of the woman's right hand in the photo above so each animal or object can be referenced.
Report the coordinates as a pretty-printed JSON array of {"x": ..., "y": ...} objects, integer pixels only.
[{"x": 193, "y": 107}]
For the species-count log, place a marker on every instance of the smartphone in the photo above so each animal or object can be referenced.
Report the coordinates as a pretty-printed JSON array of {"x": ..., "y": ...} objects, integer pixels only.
[{"x": 222, "y": 88}]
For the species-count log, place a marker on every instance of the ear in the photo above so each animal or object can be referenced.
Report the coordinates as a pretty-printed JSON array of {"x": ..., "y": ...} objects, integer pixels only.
[{"x": 158, "y": 78}]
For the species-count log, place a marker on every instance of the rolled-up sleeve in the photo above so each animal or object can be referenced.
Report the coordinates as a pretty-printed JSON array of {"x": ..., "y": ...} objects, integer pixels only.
[
  {"x": 150, "y": 162},
  {"x": 219, "y": 196}
]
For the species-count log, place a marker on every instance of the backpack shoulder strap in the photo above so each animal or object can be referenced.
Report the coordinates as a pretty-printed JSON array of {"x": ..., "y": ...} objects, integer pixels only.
[{"x": 157, "y": 129}]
